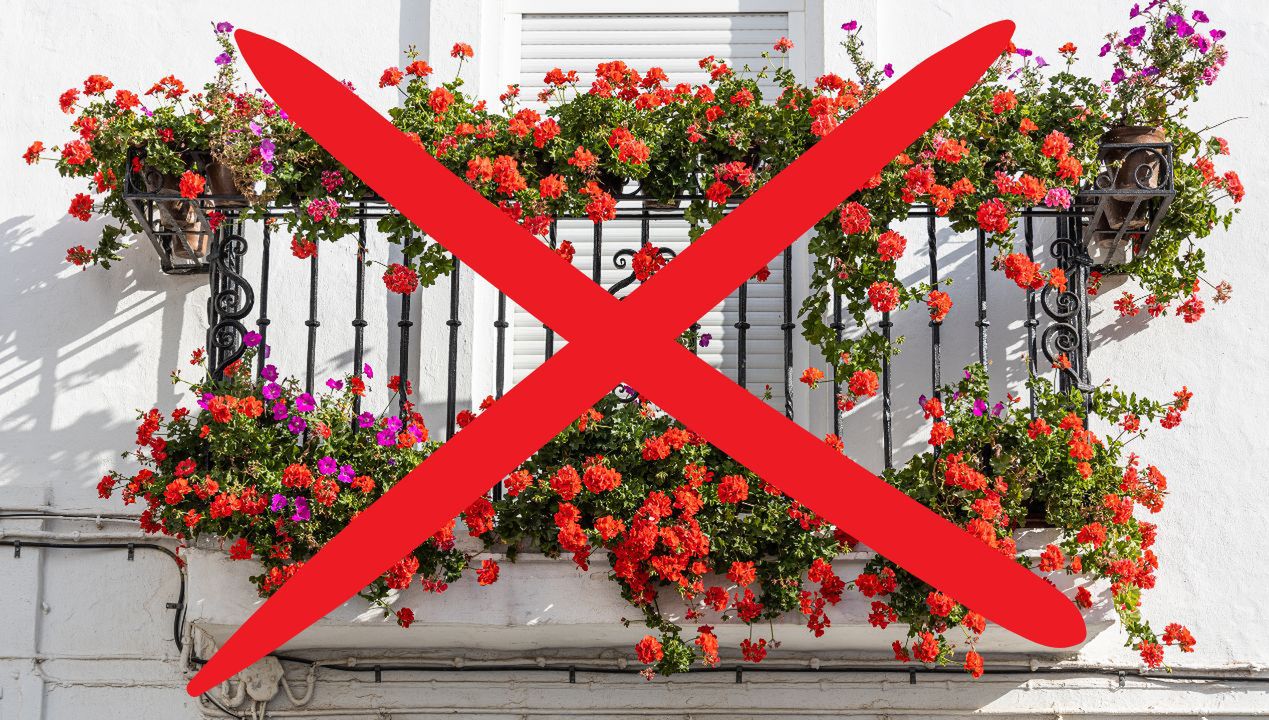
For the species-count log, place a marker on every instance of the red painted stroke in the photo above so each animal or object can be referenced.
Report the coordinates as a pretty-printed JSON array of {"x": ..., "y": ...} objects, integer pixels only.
[{"x": 633, "y": 340}]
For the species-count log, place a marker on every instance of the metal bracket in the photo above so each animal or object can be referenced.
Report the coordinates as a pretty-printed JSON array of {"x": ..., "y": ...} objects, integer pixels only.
[{"x": 132, "y": 552}]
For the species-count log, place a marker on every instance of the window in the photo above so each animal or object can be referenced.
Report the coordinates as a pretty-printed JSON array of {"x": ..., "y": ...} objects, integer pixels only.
[{"x": 536, "y": 42}]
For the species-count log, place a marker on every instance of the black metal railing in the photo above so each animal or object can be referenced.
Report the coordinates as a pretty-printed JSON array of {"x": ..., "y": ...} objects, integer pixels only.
[{"x": 1055, "y": 323}]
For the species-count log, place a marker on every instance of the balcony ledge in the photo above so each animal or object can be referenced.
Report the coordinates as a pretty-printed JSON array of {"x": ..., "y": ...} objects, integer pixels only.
[{"x": 547, "y": 607}]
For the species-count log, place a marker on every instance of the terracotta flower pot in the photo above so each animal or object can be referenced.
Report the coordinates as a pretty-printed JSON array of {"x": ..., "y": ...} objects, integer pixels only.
[
  {"x": 220, "y": 181},
  {"x": 1136, "y": 169},
  {"x": 179, "y": 216}
]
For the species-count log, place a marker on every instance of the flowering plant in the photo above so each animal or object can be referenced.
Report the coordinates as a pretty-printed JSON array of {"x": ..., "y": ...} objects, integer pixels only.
[
  {"x": 675, "y": 517},
  {"x": 692, "y": 538},
  {"x": 990, "y": 464},
  {"x": 275, "y": 472},
  {"x": 1160, "y": 66},
  {"x": 1026, "y": 134}
]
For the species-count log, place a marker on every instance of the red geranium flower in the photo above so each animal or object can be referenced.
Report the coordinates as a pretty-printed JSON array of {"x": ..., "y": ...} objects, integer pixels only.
[
  {"x": 81, "y": 207},
  {"x": 400, "y": 279},
  {"x": 192, "y": 184}
]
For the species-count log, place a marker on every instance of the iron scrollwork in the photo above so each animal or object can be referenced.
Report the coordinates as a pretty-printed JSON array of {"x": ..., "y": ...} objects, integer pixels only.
[
  {"x": 232, "y": 299},
  {"x": 1064, "y": 336},
  {"x": 621, "y": 260}
]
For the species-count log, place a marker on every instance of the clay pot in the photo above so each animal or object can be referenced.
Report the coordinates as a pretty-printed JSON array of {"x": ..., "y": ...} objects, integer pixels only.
[
  {"x": 178, "y": 217},
  {"x": 1137, "y": 169},
  {"x": 1134, "y": 169},
  {"x": 220, "y": 181}
]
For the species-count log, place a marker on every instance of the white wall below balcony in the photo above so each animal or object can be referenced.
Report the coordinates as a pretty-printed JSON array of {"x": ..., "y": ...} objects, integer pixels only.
[{"x": 87, "y": 634}]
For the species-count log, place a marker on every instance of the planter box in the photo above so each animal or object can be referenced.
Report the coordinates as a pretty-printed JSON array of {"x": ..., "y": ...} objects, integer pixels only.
[{"x": 547, "y": 607}]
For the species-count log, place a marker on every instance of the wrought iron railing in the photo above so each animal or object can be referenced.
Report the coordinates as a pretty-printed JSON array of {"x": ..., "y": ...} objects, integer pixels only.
[{"x": 1055, "y": 322}]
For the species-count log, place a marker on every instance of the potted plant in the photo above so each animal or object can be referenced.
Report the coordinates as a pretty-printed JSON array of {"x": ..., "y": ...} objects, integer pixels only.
[{"x": 1160, "y": 65}]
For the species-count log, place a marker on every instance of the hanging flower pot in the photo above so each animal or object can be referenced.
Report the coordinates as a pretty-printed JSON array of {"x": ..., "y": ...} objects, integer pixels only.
[
  {"x": 220, "y": 182},
  {"x": 1134, "y": 190},
  {"x": 179, "y": 218}
]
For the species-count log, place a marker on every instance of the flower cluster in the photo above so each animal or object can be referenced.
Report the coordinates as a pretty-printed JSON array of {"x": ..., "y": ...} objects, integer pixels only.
[
  {"x": 273, "y": 472},
  {"x": 681, "y": 525},
  {"x": 1025, "y": 135},
  {"x": 997, "y": 466}
]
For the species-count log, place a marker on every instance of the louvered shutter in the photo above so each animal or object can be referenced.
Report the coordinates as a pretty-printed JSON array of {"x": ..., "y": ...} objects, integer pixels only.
[{"x": 675, "y": 43}]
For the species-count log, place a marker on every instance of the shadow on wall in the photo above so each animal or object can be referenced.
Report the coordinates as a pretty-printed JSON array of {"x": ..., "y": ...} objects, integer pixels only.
[{"x": 73, "y": 347}]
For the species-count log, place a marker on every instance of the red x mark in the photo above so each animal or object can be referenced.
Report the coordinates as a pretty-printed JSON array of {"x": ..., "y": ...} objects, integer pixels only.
[{"x": 633, "y": 341}]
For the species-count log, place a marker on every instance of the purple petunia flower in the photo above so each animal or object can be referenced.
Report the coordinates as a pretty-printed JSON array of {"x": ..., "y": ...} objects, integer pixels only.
[
  {"x": 1199, "y": 16},
  {"x": 980, "y": 407},
  {"x": 1149, "y": 71},
  {"x": 301, "y": 510},
  {"x": 386, "y": 437},
  {"x": 968, "y": 375},
  {"x": 1118, "y": 76},
  {"x": 850, "y": 26},
  {"x": 267, "y": 149},
  {"x": 269, "y": 372},
  {"x": 334, "y": 384},
  {"x": 223, "y": 59},
  {"x": 704, "y": 339},
  {"x": 279, "y": 503},
  {"x": 327, "y": 465},
  {"x": 1040, "y": 61},
  {"x": 251, "y": 338},
  {"x": 279, "y": 411},
  {"x": 368, "y": 371},
  {"x": 305, "y": 403},
  {"x": 1105, "y": 49},
  {"x": 271, "y": 391},
  {"x": 205, "y": 399},
  {"x": 997, "y": 409},
  {"x": 224, "y": 27},
  {"x": 1023, "y": 52},
  {"x": 266, "y": 167},
  {"x": 366, "y": 420},
  {"x": 888, "y": 70},
  {"x": 256, "y": 128},
  {"x": 297, "y": 425},
  {"x": 1217, "y": 34},
  {"x": 393, "y": 424},
  {"x": 346, "y": 473},
  {"x": 1135, "y": 11}
]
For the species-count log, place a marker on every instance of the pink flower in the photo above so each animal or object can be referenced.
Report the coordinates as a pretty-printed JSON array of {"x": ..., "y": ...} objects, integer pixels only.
[{"x": 1058, "y": 197}]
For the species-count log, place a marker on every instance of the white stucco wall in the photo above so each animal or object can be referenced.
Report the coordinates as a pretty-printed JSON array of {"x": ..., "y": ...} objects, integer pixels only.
[{"x": 86, "y": 634}]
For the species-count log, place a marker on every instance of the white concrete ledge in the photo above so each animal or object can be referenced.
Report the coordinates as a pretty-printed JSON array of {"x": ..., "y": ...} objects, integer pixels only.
[{"x": 548, "y": 607}]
